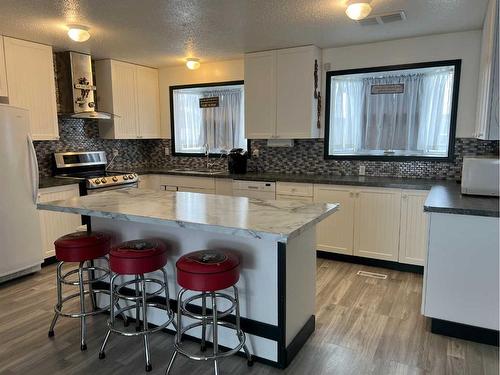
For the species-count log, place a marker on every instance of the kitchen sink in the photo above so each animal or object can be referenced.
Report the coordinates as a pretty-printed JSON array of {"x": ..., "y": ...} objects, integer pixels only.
[{"x": 204, "y": 171}]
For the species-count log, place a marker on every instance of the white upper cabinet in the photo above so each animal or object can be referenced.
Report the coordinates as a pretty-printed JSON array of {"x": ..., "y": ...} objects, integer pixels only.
[
  {"x": 296, "y": 114},
  {"x": 260, "y": 95},
  {"x": 279, "y": 93},
  {"x": 487, "y": 117},
  {"x": 31, "y": 85},
  {"x": 148, "y": 102},
  {"x": 3, "y": 73},
  {"x": 131, "y": 93}
]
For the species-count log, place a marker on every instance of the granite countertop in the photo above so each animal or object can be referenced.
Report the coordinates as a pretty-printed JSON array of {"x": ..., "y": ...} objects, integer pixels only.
[
  {"x": 448, "y": 199},
  {"x": 48, "y": 182},
  {"x": 387, "y": 182},
  {"x": 239, "y": 216}
]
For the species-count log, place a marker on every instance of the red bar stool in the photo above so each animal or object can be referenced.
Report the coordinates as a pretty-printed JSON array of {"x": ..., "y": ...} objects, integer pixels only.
[
  {"x": 137, "y": 258},
  {"x": 208, "y": 272},
  {"x": 83, "y": 248}
]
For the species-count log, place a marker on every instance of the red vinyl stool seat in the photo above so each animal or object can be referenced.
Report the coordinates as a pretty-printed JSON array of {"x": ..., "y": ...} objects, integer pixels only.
[
  {"x": 138, "y": 257},
  {"x": 82, "y": 246},
  {"x": 208, "y": 270}
]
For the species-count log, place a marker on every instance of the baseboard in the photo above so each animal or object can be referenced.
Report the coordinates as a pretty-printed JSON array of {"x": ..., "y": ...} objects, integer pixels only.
[
  {"x": 48, "y": 261},
  {"x": 465, "y": 332},
  {"x": 371, "y": 262}
]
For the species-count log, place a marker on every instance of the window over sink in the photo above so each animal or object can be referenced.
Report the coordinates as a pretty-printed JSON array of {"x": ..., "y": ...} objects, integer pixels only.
[
  {"x": 405, "y": 112},
  {"x": 207, "y": 118}
]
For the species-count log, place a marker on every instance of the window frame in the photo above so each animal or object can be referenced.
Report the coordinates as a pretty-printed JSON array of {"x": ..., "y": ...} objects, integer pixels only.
[
  {"x": 172, "y": 123},
  {"x": 457, "y": 64}
]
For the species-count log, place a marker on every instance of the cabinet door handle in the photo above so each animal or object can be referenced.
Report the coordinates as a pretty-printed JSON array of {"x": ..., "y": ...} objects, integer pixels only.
[
  {"x": 351, "y": 194},
  {"x": 405, "y": 196},
  {"x": 357, "y": 195}
]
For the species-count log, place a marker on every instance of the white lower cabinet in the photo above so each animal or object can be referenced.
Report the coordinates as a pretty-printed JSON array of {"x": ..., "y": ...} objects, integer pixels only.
[
  {"x": 376, "y": 223},
  {"x": 380, "y": 223},
  {"x": 336, "y": 233},
  {"x": 414, "y": 228},
  {"x": 56, "y": 224}
]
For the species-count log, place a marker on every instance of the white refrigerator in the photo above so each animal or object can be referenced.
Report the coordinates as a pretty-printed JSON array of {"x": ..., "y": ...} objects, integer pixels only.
[{"x": 20, "y": 238}]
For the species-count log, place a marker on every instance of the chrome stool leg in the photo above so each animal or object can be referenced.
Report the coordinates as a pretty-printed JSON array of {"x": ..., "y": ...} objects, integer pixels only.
[
  {"x": 204, "y": 322},
  {"x": 215, "y": 332},
  {"x": 83, "y": 326},
  {"x": 91, "y": 276},
  {"x": 178, "y": 335},
  {"x": 59, "y": 299},
  {"x": 137, "y": 306},
  {"x": 102, "y": 353},
  {"x": 238, "y": 328},
  {"x": 145, "y": 324}
]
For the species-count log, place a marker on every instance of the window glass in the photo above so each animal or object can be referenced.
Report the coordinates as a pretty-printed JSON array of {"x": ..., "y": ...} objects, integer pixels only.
[
  {"x": 208, "y": 118},
  {"x": 405, "y": 112}
]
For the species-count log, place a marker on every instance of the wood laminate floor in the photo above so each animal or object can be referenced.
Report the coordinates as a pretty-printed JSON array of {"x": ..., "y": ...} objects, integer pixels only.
[{"x": 364, "y": 326}]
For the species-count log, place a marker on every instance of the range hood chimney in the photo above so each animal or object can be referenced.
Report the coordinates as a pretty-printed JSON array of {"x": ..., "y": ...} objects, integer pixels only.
[{"x": 76, "y": 86}]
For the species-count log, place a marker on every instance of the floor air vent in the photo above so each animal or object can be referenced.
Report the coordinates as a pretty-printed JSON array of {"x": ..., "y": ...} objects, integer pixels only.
[
  {"x": 383, "y": 18},
  {"x": 372, "y": 275}
]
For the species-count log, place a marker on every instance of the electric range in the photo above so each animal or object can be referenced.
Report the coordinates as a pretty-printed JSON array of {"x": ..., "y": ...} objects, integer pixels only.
[{"x": 91, "y": 169}]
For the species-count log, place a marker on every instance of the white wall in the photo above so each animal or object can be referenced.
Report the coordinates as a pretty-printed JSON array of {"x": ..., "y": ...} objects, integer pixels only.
[
  {"x": 230, "y": 70},
  {"x": 462, "y": 45}
]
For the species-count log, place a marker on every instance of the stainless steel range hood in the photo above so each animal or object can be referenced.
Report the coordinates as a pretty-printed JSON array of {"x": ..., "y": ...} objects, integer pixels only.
[{"x": 76, "y": 87}]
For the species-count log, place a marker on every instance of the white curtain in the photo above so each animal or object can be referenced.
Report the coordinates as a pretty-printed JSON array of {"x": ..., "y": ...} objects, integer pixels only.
[
  {"x": 435, "y": 112},
  {"x": 391, "y": 120},
  {"x": 346, "y": 115},
  {"x": 190, "y": 134},
  {"x": 221, "y": 128},
  {"x": 224, "y": 124},
  {"x": 413, "y": 122}
]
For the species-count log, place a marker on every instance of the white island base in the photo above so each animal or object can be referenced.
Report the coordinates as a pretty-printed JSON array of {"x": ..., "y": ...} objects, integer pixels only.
[{"x": 276, "y": 287}]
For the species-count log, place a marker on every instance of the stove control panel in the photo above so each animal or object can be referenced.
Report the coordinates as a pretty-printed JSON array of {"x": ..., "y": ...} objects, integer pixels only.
[{"x": 129, "y": 178}]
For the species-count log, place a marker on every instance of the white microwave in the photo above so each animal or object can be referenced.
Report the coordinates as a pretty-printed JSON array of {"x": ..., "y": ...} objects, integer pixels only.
[{"x": 480, "y": 176}]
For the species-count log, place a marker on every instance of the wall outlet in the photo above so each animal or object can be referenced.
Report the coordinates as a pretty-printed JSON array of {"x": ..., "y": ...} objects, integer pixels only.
[
  {"x": 255, "y": 153},
  {"x": 362, "y": 170},
  {"x": 115, "y": 152},
  {"x": 167, "y": 151}
]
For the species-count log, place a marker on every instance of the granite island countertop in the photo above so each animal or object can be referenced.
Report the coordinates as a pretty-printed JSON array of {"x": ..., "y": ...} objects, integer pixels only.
[
  {"x": 239, "y": 216},
  {"x": 448, "y": 199}
]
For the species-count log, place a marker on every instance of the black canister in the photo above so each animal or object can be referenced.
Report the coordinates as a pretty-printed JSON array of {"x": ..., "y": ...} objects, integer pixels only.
[{"x": 237, "y": 161}]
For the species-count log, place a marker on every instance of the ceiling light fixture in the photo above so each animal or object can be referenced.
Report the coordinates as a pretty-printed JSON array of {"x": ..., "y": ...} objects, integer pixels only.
[
  {"x": 78, "y": 33},
  {"x": 357, "y": 10},
  {"x": 192, "y": 63}
]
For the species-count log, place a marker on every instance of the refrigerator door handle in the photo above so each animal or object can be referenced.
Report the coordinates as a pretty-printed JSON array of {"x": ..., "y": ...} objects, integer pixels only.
[{"x": 35, "y": 176}]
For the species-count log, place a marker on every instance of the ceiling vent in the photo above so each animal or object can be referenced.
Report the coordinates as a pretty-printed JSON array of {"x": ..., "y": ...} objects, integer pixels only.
[{"x": 383, "y": 18}]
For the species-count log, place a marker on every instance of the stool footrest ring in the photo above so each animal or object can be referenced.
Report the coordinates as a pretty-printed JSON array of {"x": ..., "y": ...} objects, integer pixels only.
[
  {"x": 58, "y": 308},
  {"x": 241, "y": 337}
]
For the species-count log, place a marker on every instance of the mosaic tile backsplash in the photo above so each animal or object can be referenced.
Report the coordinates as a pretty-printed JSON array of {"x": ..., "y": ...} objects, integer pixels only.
[{"x": 306, "y": 157}]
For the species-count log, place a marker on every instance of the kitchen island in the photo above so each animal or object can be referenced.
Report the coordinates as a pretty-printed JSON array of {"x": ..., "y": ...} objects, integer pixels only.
[{"x": 274, "y": 239}]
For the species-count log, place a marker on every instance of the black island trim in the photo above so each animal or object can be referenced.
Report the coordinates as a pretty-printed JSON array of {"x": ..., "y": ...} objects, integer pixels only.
[{"x": 465, "y": 332}]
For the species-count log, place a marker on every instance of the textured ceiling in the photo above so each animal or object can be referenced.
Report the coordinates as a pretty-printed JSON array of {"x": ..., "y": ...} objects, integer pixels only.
[{"x": 164, "y": 32}]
